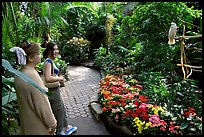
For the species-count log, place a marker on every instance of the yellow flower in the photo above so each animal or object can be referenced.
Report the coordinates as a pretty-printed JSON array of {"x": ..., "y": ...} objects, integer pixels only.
[
  {"x": 140, "y": 129},
  {"x": 147, "y": 125},
  {"x": 139, "y": 124},
  {"x": 155, "y": 111},
  {"x": 136, "y": 119},
  {"x": 160, "y": 109},
  {"x": 150, "y": 106}
]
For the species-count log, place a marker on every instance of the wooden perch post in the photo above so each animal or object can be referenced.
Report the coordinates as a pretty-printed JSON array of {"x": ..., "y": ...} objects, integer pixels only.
[
  {"x": 197, "y": 36},
  {"x": 183, "y": 56},
  {"x": 182, "y": 44},
  {"x": 197, "y": 67}
]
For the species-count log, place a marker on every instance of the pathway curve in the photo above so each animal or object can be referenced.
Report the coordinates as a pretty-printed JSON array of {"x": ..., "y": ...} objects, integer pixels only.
[{"x": 83, "y": 83}]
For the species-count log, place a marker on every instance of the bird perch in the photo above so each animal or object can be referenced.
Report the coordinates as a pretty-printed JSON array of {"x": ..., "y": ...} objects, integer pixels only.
[{"x": 183, "y": 56}]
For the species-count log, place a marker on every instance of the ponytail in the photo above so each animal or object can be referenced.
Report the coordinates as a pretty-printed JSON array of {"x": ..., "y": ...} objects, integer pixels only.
[{"x": 45, "y": 53}]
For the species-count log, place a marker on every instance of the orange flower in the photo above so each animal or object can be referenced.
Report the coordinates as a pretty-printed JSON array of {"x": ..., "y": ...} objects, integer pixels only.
[{"x": 143, "y": 99}]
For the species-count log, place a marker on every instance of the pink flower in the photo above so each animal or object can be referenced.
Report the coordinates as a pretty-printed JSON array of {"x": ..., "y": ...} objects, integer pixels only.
[
  {"x": 154, "y": 119},
  {"x": 142, "y": 106},
  {"x": 129, "y": 95},
  {"x": 115, "y": 110}
]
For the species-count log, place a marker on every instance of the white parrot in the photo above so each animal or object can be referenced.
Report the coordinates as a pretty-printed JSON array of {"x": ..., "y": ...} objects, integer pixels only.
[{"x": 172, "y": 33}]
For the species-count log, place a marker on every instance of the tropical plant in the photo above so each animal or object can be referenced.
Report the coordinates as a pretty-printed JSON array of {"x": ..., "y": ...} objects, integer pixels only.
[
  {"x": 10, "y": 119},
  {"x": 126, "y": 105},
  {"x": 78, "y": 49},
  {"x": 63, "y": 66}
]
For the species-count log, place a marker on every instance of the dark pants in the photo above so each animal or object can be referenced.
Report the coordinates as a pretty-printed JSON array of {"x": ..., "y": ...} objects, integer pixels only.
[{"x": 58, "y": 109}]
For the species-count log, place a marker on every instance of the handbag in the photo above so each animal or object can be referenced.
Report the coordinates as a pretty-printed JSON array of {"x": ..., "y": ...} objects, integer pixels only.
[{"x": 50, "y": 84}]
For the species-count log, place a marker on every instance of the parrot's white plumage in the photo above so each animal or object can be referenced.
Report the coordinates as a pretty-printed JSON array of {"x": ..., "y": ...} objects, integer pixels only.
[{"x": 172, "y": 33}]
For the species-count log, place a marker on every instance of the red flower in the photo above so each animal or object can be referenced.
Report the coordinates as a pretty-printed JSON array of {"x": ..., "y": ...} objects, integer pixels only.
[
  {"x": 186, "y": 113},
  {"x": 143, "y": 99},
  {"x": 136, "y": 103},
  {"x": 122, "y": 117},
  {"x": 145, "y": 117},
  {"x": 138, "y": 111},
  {"x": 109, "y": 107},
  {"x": 128, "y": 113},
  {"x": 104, "y": 109},
  {"x": 134, "y": 115},
  {"x": 191, "y": 109},
  {"x": 123, "y": 104},
  {"x": 122, "y": 100}
]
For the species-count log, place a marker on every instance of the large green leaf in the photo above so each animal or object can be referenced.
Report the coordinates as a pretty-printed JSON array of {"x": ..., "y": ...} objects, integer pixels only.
[
  {"x": 184, "y": 125},
  {"x": 8, "y": 98},
  {"x": 21, "y": 75},
  {"x": 65, "y": 22},
  {"x": 9, "y": 81},
  {"x": 8, "y": 111},
  {"x": 84, "y": 6},
  {"x": 47, "y": 22},
  {"x": 123, "y": 48}
]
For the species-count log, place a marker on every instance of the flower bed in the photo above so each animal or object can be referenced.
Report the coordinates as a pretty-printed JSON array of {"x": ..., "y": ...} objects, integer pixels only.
[{"x": 126, "y": 106}]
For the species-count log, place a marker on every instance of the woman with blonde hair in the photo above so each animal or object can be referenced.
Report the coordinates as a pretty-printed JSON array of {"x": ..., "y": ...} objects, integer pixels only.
[{"x": 35, "y": 113}]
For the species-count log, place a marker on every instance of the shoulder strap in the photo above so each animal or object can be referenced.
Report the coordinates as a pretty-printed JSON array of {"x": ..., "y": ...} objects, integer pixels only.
[{"x": 52, "y": 69}]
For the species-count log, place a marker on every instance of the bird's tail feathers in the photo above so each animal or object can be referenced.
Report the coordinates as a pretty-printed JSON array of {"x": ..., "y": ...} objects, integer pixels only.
[{"x": 171, "y": 41}]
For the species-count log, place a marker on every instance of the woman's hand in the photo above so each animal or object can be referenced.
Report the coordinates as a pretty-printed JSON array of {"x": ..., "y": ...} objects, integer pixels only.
[
  {"x": 52, "y": 130},
  {"x": 62, "y": 80}
]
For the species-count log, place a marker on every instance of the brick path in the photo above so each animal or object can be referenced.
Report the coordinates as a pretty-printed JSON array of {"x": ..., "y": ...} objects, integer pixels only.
[{"x": 83, "y": 83}]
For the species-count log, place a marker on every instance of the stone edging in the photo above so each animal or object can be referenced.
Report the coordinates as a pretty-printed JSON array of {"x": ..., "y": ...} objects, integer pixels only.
[
  {"x": 112, "y": 127},
  {"x": 115, "y": 129}
]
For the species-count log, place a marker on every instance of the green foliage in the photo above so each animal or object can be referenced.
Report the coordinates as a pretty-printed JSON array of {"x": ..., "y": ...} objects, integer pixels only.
[
  {"x": 188, "y": 119},
  {"x": 77, "y": 21},
  {"x": 8, "y": 85},
  {"x": 153, "y": 18},
  {"x": 110, "y": 62},
  {"x": 155, "y": 86},
  {"x": 62, "y": 65},
  {"x": 139, "y": 48},
  {"x": 188, "y": 92},
  {"x": 74, "y": 53},
  {"x": 95, "y": 33},
  {"x": 21, "y": 75},
  {"x": 100, "y": 54},
  {"x": 10, "y": 119},
  {"x": 145, "y": 36}
]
